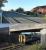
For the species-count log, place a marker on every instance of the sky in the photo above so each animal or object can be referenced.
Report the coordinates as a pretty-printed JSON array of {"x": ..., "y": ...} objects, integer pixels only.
[{"x": 27, "y": 5}]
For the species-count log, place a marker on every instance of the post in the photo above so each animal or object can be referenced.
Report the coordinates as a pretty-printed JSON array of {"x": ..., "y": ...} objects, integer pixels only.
[
  {"x": 43, "y": 37},
  {"x": 19, "y": 38},
  {"x": 24, "y": 39},
  {"x": 0, "y": 16}
]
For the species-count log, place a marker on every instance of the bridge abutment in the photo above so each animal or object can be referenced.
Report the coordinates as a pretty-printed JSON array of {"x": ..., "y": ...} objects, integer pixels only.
[{"x": 43, "y": 37}]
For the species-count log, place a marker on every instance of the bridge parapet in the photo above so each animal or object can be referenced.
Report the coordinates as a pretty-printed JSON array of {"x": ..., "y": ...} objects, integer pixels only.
[{"x": 26, "y": 26}]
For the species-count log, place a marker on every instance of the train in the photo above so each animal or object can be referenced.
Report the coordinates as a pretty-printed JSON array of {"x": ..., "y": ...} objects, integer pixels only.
[{"x": 29, "y": 39}]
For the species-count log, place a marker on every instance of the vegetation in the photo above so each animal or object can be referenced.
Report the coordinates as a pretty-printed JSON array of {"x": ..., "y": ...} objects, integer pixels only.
[
  {"x": 1, "y": 2},
  {"x": 44, "y": 16},
  {"x": 36, "y": 47},
  {"x": 20, "y": 10}
]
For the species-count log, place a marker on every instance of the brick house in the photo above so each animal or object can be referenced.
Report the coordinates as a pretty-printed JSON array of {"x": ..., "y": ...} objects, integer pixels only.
[{"x": 39, "y": 9}]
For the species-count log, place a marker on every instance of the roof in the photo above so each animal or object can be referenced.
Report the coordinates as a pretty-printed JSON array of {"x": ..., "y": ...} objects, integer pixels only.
[
  {"x": 40, "y": 9},
  {"x": 41, "y": 6}
]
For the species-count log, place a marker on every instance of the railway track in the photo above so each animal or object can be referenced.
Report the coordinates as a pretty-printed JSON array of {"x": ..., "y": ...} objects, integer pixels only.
[{"x": 13, "y": 47}]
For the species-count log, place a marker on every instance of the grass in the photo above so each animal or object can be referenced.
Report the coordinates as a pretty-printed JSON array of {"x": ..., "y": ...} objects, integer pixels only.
[
  {"x": 36, "y": 47},
  {"x": 44, "y": 17},
  {"x": 28, "y": 47}
]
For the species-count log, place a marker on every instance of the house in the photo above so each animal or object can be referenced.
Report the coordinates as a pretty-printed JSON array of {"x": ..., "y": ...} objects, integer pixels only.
[{"x": 39, "y": 9}]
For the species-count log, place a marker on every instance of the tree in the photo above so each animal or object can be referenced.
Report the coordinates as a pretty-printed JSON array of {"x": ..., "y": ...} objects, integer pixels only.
[
  {"x": 27, "y": 12},
  {"x": 2, "y": 2},
  {"x": 20, "y": 10},
  {"x": 12, "y": 10},
  {"x": 1, "y": 5}
]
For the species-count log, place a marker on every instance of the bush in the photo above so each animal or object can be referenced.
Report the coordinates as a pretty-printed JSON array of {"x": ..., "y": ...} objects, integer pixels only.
[{"x": 37, "y": 47}]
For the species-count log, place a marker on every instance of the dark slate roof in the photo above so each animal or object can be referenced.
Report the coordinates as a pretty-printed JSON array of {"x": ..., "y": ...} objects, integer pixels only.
[{"x": 40, "y": 7}]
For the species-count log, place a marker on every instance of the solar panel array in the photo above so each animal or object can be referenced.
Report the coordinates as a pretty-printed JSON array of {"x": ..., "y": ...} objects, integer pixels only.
[{"x": 13, "y": 18}]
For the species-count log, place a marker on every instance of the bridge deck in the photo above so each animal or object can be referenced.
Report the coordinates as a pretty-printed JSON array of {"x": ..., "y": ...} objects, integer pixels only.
[
  {"x": 26, "y": 26},
  {"x": 25, "y": 23}
]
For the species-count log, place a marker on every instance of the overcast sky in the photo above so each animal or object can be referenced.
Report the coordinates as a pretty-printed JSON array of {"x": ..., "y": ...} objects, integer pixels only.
[{"x": 26, "y": 4}]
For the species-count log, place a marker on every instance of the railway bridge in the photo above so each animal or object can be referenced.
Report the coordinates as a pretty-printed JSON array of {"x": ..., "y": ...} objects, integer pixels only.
[
  {"x": 17, "y": 29},
  {"x": 16, "y": 25}
]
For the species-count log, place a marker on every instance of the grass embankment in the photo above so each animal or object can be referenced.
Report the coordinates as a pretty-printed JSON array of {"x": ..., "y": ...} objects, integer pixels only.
[
  {"x": 44, "y": 17},
  {"x": 36, "y": 47}
]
